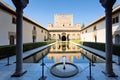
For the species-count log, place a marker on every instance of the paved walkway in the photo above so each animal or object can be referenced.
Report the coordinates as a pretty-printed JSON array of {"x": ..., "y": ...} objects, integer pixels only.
[{"x": 34, "y": 72}]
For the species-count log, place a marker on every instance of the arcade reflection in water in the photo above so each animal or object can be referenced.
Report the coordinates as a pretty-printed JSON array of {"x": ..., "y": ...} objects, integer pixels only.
[{"x": 64, "y": 49}]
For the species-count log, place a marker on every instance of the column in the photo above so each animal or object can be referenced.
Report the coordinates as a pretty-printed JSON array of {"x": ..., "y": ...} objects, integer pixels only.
[
  {"x": 20, "y": 5},
  {"x": 108, "y": 4}
]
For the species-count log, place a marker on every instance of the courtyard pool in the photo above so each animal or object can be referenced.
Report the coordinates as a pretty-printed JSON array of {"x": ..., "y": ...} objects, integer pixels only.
[{"x": 56, "y": 52}]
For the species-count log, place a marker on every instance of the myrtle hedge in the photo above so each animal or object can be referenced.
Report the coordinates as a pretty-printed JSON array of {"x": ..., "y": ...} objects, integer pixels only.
[
  {"x": 100, "y": 46},
  {"x": 10, "y": 50}
]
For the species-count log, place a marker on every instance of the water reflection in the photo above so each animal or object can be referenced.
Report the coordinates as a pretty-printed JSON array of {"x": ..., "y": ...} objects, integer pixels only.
[
  {"x": 64, "y": 47},
  {"x": 37, "y": 56},
  {"x": 61, "y": 49},
  {"x": 55, "y": 53}
]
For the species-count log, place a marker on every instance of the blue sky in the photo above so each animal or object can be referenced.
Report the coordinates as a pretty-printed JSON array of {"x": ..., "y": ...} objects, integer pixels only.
[{"x": 84, "y": 11}]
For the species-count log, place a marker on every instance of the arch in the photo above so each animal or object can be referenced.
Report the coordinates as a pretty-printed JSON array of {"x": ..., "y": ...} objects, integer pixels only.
[
  {"x": 78, "y": 35},
  {"x": 73, "y": 36},
  {"x": 54, "y": 36},
  {"x": 63, "y": 38},
  {"x": 68, "y": 37},
  {"x": 117, "y": 39},
  {"x": 50, "y": 36},
  {"x": 59, "y": 37}
]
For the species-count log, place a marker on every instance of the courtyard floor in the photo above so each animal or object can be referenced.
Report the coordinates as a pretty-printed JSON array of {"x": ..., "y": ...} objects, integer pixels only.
[{"x": 34, "y": 72}]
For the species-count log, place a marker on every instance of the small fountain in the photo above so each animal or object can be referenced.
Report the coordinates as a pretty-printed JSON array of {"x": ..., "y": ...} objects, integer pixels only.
[
  {"x": 64, "y": 62},
  {"x": 64, "y": 69}
]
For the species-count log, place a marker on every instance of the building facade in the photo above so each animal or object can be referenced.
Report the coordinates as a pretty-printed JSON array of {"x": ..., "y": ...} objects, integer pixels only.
[
  {"x": 63, "y": 28},
  {"x": 96, "y": 31},
  {"x": 32, "y": 31}
]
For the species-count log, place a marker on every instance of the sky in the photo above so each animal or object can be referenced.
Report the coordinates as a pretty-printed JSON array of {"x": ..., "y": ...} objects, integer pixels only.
[{"x": 83, "y": 11}]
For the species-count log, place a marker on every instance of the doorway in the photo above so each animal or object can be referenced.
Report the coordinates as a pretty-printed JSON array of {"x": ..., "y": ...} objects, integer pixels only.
[
  {"x": 117, "y": 39},
  {"x": 12, "y": 41},
  {"x": 63, "y": 38}
]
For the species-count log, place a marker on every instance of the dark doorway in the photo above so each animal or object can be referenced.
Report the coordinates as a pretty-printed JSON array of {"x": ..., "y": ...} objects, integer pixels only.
[
  {"x": 12, "y": 42},
  {"x": 34, "y": 39},
  {"x": 95, "y": 38},
  {"x": 63, "y": 38},
  {"x": 117, "y": 39}
]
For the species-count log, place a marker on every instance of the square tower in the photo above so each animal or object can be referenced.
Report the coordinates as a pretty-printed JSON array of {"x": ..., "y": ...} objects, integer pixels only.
[{"x": 63, "y": 20}]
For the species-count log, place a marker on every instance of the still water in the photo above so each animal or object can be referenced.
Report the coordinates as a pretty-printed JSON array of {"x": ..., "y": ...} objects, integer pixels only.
[{"x": 56, "y": 52}]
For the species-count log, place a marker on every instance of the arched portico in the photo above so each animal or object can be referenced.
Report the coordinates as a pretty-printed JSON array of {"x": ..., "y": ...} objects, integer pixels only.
[{"x": 63, "y": 37}]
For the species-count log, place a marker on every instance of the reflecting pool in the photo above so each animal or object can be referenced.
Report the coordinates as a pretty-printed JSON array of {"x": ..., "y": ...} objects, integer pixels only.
[{"x": 56, "y": 52}]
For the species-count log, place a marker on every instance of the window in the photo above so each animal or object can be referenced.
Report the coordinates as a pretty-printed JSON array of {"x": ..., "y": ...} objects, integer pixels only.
[
  {"x": 82, "y": 32},
  {"x": 34, "y": 28},
  {"x": 42, "y": 31},
  {"x": 86, "y": 31},
  {"x": 44, "y": 38},
  {"x": 34, "y": 39},
  {"x": 94, "y": 28},
  {"x": 13, "y": 20},
  {"x": 115, "y": 20},
  {"x": 34, "y": 32},
  {"x": 95, "y": 38}
]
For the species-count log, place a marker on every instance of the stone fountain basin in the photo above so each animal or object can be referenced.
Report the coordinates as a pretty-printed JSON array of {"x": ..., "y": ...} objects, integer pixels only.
[{"x": 69, "y": 71}]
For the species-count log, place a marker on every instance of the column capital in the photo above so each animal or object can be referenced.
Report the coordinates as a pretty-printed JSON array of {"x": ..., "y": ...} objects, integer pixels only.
[
  {"x": 20, "y": 4},
  {"x": 107, "y": 4}
]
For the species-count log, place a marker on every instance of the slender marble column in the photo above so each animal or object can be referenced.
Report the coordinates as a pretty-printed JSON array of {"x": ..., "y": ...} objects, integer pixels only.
[
  {"x": 20, "y": 5},
  {"x": 108, "y": 4}
]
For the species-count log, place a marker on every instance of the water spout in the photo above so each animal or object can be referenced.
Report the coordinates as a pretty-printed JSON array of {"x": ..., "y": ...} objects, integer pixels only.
[{"x": 64, "y": 59}]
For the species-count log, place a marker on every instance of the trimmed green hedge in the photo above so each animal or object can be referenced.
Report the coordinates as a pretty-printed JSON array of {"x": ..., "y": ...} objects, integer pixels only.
[
  {"x": 29, "y": 46},
  {"x": 116, "y": 49},
  {"x": 99, "y": 46},
  {"x": 9, "y": 50}
]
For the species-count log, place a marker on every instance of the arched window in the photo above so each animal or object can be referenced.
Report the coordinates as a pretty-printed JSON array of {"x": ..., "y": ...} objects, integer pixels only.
[
  {"x": 117, "y": 39},
  {"x": 50, "y": 36},
  {"x": 54, "y": 36}
]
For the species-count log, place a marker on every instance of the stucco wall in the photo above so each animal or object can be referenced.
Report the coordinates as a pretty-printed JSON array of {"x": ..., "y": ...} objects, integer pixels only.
[
  {"x": 100, "y": 32},
  {"x": 7, "y": 26}
]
